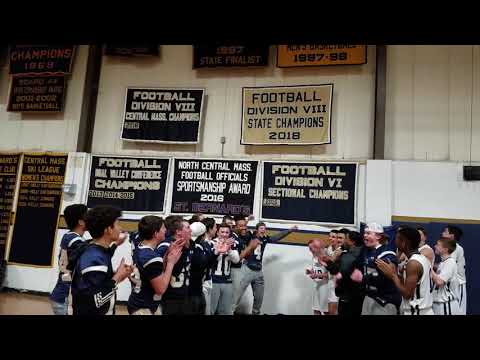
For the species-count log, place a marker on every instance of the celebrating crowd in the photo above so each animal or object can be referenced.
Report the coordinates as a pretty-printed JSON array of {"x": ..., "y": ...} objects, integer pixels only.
[{"x": 199, "y": 267}]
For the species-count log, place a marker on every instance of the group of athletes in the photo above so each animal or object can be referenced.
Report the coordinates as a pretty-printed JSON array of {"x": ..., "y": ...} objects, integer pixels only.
[
  {"x": 199, "y": 267},
  {"x": 360, "y": 275}
]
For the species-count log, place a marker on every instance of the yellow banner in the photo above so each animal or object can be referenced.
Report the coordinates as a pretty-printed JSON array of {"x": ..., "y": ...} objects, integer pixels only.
[
  {"x": 319, "y": 55},
  {"x": 287, "y": 115}
]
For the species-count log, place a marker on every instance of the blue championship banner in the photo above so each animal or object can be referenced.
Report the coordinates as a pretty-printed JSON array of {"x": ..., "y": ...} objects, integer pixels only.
[
  {"x": 38, "y": 209},
  {"x": 211, "y": 56},
  {"x": 310, "y": 192},
  {"x": 215, "y": 187},
  {"x": 162, "y": 115},
  {"x": 128, "y": 183}
]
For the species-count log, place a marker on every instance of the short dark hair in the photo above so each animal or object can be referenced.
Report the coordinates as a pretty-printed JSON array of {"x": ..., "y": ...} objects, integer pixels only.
[
  {"x": 239, "y": 218},
  {"x": 455, "y": 231},
  {"x": 209, "y": 223},
  {"x": 333, "y": 231},
  {"x": 260, "y": 224},
  {"x": 225, "y": 225},
  {"x": 176, "y": 225},
  {"x": 73, "y": 214},
  {"x": 100, "y": 218},
  {"x": 355, "y": 237},
  {"x": 411, "y": 235},
  {"x": 450, "y": 244},
  {"x": 343, "y": 231},
  {"x": 149, "y": 225},
  {"x": 169, "y": 220},
  {"x": 195, "y": 218},
  {"x": 227, "y": 217}
]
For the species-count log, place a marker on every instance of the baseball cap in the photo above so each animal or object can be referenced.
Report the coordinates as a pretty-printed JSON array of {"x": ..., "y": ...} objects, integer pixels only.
[
  {"x": 198, "y": 229},
  {"x": 374, "y": 227}
]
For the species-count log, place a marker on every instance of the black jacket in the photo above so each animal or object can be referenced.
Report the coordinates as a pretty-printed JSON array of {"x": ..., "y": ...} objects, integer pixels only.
[{"x": 346, "y": 264}]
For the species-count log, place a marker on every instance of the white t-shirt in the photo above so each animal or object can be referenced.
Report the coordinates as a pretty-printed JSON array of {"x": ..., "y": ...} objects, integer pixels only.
[
  {"x": 447, "y": 271},
  {"x": 459, "y": 257}
]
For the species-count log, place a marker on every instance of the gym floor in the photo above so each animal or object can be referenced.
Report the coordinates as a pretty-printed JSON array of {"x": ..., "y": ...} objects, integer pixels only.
[{"x": 18, "y": 303}]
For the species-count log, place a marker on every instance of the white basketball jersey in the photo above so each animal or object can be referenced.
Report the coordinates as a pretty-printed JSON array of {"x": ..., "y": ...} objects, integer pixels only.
[
  {"x": 459, "y": 256},
  {"x": 318, "y": 268},
  {"x": 422, "y": 297},
  {"x": 448, "y": 272}
]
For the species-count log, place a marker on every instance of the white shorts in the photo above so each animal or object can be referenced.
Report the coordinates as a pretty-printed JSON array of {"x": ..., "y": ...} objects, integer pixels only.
[
  {"x": 320, "y": 297},
  {"x": 428, "y": 311},
  {"x": 332, "y": 298},
  {"x": 451, "y": 308}
]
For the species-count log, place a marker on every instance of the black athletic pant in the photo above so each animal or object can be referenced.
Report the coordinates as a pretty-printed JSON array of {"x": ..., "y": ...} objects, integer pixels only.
[
  {"x": 191, "y": 305},
  {"x": 350, "y": 307}
]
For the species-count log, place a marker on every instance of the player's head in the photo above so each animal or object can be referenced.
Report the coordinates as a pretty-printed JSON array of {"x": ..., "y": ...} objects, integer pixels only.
[
  {"x": 224, "y": 231},
  {"x": 445, "y": 246},
  {"x": 261, "y": 228},
  {"x": 151, "y": 228},
  {"x": 169, "y": 220},
  {"x": 181, "y": 230},
  {"x": 332, "y": 237},
  {"x": 423, "y": 234},
  {"x": 407, "y": 239},
  {"x": 452, "y": 232},
  {"x": 341, "y": 236},
  {"x": 75, "y": 216},
  {"x": 227, "y": 219},
  {"x": 316, "y": 245},
  {"x": 211, "y": 226},
  {"x": 197, "y": 217},
  {"x": 240, "y": 225},
  {"x": 373, "y": 235},
  {"x": 102, "y": 222},
  {"x": 353, "y": 239},
  {"x": 198, "y": 231}
]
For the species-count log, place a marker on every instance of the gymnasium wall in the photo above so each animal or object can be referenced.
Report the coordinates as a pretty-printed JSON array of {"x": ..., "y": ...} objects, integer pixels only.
[
  {"x": 352, "y": 109},
  {"x": 43, "y": 131},
  {"x": 429, "y": 102},
  {"x": 432, "y": 91}
]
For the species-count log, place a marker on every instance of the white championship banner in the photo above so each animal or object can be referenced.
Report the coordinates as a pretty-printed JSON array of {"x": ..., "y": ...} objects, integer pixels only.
[{"x": 287, "y": 115}]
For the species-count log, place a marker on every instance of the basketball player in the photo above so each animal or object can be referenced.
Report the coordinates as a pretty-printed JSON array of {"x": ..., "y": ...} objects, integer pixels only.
[
  {"x": 154, "y": 276},
  {"x": 75, "y": 219},
  {"x": 455, "y": 233},
  {"x": 381, "y": 294},
  {"x": 414, "y": 284},
  {"x": 445, "y": 293},
  {"x": 175, "y": 299},
  {"x": 334, "y": 246},
  {"x": 210, "y": 234},
  {"x": 319, "y": 274},
  {"x": 424, "y": 248},
  {"x": 94, "y": 284},
  {"x": 225, "y": 249},
  {"x": 243, "y": 236},
  {"x": 252, "y": 273}
]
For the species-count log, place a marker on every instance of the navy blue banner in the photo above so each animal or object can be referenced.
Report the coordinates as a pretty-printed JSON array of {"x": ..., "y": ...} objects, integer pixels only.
[
  {"x": 211, "y": 56},
  {"x": 128, "y": 183},
  {"x": 216, "y": 187},
  {"x": 309, "y": 192},
  {"x": 163, "y": 115}
]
